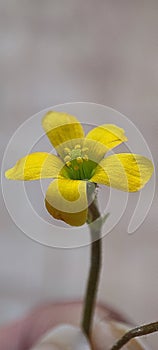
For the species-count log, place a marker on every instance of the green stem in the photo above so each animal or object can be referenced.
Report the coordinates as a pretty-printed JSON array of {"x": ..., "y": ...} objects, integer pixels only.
[
  {"x": 135, "y": 332},
  {"x": 93, "y": 280}
]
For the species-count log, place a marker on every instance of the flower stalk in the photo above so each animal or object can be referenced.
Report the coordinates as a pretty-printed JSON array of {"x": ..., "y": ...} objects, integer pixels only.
[
  {"x": 95, "y": 223},
  {"x": 134, "y": 333}
]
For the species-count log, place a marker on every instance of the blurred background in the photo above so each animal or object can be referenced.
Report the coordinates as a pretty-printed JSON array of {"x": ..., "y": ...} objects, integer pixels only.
[{"x": 98, "y": 51}]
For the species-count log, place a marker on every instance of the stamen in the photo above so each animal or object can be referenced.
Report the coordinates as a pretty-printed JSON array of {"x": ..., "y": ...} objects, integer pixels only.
[
  {"x": 68, "y": 164},
  {"x": 85, "y": 157},
  {"x": 84, "y": 149},
  {"x": 67, "y": 159},
  {"x": 74, "y": 159},
  {"x": 79, "y": 160},
  {"x": 77, "y": 146},
  {"x": 67, "y": 150}
]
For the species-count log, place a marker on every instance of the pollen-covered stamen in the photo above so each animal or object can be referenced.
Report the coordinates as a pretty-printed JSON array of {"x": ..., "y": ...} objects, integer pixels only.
[
  {"x": 67, "y": 159},
  {"x": 78, "y": 153},
  {"x": 84, "y": 150},
  {"x": 78, "y": 146},
  {"x": 85, "y": 157},
  {"x": 67, "y": 150},
  {"x": 77, "y": 161},
  {"x": 68, "y": 164}
]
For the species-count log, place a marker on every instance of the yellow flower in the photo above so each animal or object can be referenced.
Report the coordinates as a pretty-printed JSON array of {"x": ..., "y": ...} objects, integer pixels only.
[{"x": 80, "y": 160}]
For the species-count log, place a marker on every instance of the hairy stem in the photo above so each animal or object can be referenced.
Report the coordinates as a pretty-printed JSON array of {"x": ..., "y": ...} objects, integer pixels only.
[{"x": 135, "y": 332}]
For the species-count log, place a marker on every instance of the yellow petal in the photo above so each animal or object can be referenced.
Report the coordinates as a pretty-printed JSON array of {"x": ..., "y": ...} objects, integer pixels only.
[
  {"x": 103, "y": 138},
  {"x": 35, "y": 166},
  {"x": 67, "y": 200},
  {"x": 125, "y": 171},
  {"x": 62, "y": 128}
]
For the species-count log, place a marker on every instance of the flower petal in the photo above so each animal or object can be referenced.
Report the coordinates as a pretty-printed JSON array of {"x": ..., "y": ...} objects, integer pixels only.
[
  {"x": 36, "y": 166},
  {"x": 62, "y": 128},
  {"x": 67, "y": 200},
  {"x": 103, "y": 138},
  {"x": 125, "y": 171}
]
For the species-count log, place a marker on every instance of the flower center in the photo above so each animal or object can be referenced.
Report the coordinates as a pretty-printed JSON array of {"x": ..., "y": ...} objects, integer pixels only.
[{"x": 78, "y": 165}]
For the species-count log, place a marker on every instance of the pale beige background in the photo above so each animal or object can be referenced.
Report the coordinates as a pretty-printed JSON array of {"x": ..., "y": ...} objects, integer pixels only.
[{"x": 60, "y": 51}]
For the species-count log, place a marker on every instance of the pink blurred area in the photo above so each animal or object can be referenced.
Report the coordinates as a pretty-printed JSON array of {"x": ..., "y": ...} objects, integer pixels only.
[{"x": 99, "y": 51}]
